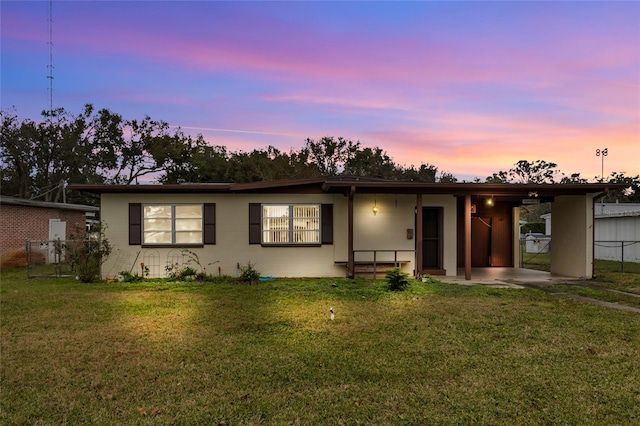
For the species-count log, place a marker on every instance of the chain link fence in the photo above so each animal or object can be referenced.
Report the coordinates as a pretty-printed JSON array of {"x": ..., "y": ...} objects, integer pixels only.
[
  {"x": 618, "y": 251},
  {"x": 535, "y": 253},
  {"x": 622, "y": 255},
  {"x": 49, "y": 259}
]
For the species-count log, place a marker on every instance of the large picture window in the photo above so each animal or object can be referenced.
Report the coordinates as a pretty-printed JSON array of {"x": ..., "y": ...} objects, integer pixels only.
[
  {"x": 175, "y": 224},
  {"x": 172, "y": 224},
  {"x": 291, "y": 224}
]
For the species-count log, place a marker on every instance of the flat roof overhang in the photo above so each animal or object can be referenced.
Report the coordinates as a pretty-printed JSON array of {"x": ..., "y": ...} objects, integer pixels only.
[
  {"x": 503, "y": 191},
  {"x": 46, "y": 204},
  {"x": 500, "y": 191}
]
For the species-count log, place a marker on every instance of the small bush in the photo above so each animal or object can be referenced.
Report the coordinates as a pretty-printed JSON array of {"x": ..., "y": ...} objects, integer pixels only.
[
  {"x": 128, "y": 277},
  {"x": 217, "y": 279},
  {"x": 428, "y": 279},
  {"x": 87, "y": 253},
  {"x": 187, "y": 271},
  {"x": 177, "y": 272},
  {"x": 538, "y": 227},
  {"x": 249, "y": 274},
  {"x": 397, "y": 280}
]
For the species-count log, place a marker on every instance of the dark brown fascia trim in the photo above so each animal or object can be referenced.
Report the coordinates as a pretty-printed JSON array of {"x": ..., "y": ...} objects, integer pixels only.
[
  {"x": 277, "y": 184},
  {"x": 340, "y": 185},
  {"x": 190, "y": 188},
  {"x": 201, "y": 187},
  {"x": 46, "y": 204},
  {"x": 479, "y": 189}
]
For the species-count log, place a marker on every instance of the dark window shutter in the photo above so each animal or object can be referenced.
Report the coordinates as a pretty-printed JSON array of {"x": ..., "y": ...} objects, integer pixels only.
[
  {"x": 135, "y": 224},
  {"x": 254, "y": 223},
  {"x": 327, "y": 223},
  {"x": 209, "y": 222}
]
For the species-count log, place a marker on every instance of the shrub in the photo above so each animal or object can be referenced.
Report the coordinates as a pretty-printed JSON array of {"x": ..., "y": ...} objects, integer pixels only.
[
  {"x": 428, "y": 279},
  {"x": 397, "y": 280},
  {"x": 194, "y": 258},
  {"x": 249, "y": 274},
  {"x": 538, "y": 227},
  {"x": 177, "y": 272},
  {"x": 88, "y": 253},
  {"x": 187, "y": 271},
  {"x": 128, "y": 277}
]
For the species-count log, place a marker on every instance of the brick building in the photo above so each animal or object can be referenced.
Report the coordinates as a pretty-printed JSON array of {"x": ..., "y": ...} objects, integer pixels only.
[{"x": 22, "y": 220}]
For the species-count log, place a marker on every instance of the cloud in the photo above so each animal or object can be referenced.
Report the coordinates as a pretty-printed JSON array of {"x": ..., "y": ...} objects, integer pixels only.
[{"x": 468, "y": 87}]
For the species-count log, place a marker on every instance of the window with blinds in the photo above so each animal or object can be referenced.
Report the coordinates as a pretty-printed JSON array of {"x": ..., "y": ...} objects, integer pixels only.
[
  {"x": 291, "y": 224},
  {"x": 172, "y": 224}
]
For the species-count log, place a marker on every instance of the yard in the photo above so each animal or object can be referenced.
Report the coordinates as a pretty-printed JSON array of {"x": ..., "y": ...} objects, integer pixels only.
[{"x": 193, "y": 353}]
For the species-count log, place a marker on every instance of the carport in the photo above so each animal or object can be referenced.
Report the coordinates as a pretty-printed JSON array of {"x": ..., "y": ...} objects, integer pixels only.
[{"x": 487, "y": 219}]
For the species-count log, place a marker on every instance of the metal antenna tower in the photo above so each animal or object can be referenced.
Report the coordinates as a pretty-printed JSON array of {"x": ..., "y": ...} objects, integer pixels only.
[{"x": 50, "y": 66}]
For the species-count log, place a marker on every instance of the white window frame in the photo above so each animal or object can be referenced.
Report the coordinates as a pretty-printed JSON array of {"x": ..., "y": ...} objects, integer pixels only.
[
  {"x": 294, "y": 236},
  {"x": 173, "y": 219}
]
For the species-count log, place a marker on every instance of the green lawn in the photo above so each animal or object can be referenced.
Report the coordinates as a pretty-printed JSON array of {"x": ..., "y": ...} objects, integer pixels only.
[
  {"x": 192, "y": 353},
  {"x": 609, "y": 274}
]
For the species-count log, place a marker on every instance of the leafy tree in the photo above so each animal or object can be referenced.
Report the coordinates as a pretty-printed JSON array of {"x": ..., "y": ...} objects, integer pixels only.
[
  {"x": 446, "y": 177},
  {"x": 330, "y": 155},
  {"x": 17, "y": 144},
  {"x": 426, "y": 173},
  {"x": 629, "y": 195},
  {"x": 203, "y": 163},
  {"x": 370, "y": 162},
  {"x": 148, "y": 149},
  {"x": 37, "y": 158},
  {"x": 500, "y": 177},
  {"x": 573, "y": 178},
  {"x": 538, "y": 171}
]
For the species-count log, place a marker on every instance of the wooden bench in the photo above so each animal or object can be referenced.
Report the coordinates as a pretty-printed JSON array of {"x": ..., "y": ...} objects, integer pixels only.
[{"x": 369, "y": 269}]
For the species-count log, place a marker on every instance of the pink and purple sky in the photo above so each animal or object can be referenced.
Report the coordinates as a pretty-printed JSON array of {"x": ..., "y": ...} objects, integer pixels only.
[{"x": 470, "y": 87}]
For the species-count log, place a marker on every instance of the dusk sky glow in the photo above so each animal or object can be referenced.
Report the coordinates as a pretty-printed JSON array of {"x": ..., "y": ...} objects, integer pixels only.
[{"x": 470, "y": 87}]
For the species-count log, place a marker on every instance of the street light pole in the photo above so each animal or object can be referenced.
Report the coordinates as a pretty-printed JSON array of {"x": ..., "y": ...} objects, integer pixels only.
[{"x": 602, "y": 153}]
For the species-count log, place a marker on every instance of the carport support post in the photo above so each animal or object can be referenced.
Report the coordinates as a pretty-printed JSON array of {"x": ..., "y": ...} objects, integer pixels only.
[
  {"x": 418, "y": 236},
  {"x": 351, "y": 268},
  {"x": 467, "y": 237}
]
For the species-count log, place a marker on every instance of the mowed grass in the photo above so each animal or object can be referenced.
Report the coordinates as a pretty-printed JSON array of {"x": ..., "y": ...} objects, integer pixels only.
[
  {"x": 192, "y": 353},
  {"x": 609, "y": 274}
]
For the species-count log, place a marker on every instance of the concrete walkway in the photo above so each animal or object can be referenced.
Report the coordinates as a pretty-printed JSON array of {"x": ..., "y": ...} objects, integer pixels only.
[
  {"x": 504, "y": 277},
  {"x": 539, "y": 280}
]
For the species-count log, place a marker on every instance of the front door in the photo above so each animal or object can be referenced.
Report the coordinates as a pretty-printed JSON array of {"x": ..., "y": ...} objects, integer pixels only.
[
  {"x": 480, "y": 242},
  {"x": 432, "y": 238}
]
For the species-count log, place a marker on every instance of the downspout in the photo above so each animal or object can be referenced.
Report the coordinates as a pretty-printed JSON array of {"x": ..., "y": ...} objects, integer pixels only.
[{"x": 593, "y": 231}]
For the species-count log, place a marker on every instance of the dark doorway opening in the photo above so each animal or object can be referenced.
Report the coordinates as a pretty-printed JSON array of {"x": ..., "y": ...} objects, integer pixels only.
[
  {"x": 480, "y": 241},
  {"x": 491, "y": 233},
  {"x": 432, "y": 219}
]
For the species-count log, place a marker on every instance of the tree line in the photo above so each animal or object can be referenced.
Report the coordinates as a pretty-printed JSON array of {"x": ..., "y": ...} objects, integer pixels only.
[{"x": 37, "y": 159}]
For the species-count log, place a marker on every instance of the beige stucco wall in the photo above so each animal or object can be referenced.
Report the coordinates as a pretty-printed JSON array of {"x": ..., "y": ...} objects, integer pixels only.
[
  {"x": 232, "y": 238},
  {"x": 449, "y": 232},
  {"x": 517, "y": 255},
  {"x": 387, "y": 230},
  {"x": 572, "y": 231}
]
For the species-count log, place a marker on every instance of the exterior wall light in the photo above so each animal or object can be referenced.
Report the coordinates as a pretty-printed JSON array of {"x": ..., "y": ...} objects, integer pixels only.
[
  {"x": 489, "y": 202},
  {"x": 375, "y": 206}
]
